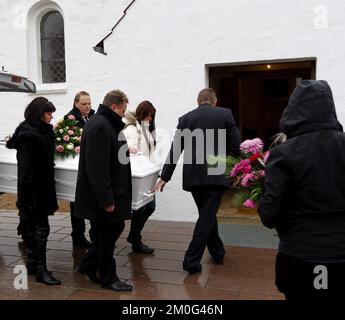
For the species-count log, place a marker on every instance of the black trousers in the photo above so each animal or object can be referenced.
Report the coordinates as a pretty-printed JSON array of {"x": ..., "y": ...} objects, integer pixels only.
[
  {"x": 101, "y": 255},
  {"x": 205, "y": 233},
  {"x": 78, "y": 226},
  {"x": 138, "y": 220},
  {"x": 296, "y": 278}
]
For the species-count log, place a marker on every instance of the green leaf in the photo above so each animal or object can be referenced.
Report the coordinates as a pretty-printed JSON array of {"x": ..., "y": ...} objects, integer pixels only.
[{"x": 239, "y": 198}]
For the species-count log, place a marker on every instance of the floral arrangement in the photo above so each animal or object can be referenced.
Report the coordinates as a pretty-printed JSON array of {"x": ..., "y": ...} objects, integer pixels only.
[
  {"x": 67, "y": 137},
  {"x": 247, "y": 172}
]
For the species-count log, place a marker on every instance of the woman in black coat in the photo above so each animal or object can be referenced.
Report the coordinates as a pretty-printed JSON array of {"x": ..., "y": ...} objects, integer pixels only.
[
  {"x": 36, "y": 195},
  {"x": 304, "y": 197}
]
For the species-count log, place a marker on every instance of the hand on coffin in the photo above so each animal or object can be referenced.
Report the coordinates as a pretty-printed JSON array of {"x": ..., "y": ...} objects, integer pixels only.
[
  {"x": 110, "y": 209},
  {"x": 133, "y": 150},
  {"x": 159, "y": 186}
]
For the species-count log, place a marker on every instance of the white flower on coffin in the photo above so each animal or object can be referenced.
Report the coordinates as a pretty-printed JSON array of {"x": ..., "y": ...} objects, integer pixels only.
[{"x": 70, "y": 146}]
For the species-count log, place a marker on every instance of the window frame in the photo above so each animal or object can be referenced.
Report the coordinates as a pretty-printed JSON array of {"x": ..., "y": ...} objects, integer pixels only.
[
  {"x": 46, "y": 38},
  {"x": 34, "y": 18}
]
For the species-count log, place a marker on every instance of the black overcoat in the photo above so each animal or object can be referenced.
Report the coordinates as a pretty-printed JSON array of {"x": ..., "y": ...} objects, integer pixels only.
[
  {"x": 304, "y": 197},
  {"x": 103, "y": 177},
  {"x": 35, "y": 157}
]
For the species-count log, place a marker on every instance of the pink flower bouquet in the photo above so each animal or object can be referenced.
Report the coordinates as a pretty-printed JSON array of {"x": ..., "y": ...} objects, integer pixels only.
[
  {"x": 247, "y": 173},
  {"x": 67, "y": 137}
]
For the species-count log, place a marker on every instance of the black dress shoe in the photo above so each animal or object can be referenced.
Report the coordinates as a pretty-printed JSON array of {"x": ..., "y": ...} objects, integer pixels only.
[
  {"x": 46, "y": 278},
  {"x": 142, "y": 248},
  {"x": 91, "y": 275},
  {"x": 119, "y": 286},
  {"x": 192, "y": 270},
  {"x": 218, "y": 261},
  {"x": 82, "y": 243}
]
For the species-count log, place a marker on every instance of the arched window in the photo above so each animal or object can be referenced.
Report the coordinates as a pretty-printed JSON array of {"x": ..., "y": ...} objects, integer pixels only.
[{"x": 53, "y": 48}]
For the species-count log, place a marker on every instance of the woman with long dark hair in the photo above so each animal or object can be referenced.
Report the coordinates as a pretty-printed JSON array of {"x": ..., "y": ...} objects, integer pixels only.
[
  {"x": 36, "y": 195},
  {"x": 140, "y": 136}
]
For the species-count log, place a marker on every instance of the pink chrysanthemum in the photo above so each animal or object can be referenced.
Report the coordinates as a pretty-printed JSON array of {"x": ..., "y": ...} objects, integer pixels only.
[
  {"x": 249, "y": 204},
  {"x": 247, "y": 178},
  {"x": 243, "y": 167},
  {"x": 252, "y": 146}
]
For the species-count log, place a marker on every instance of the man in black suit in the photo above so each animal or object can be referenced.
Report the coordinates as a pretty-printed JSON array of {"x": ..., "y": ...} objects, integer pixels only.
[
  {"x": 82, "y": 112},
  {"x": 82, "y": 108},
  {"x": 208, "y": 130},
  {"x": 104, "y": 188}
]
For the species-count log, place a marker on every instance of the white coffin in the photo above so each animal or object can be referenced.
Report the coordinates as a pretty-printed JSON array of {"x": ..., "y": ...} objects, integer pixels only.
[{"x": 144, "y": 176}]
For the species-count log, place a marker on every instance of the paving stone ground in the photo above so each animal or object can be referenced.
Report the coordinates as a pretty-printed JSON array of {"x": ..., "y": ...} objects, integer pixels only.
[{"x": 247, "y": 272}]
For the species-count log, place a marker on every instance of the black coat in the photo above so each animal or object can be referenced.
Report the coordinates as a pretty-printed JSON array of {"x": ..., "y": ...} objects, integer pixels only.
[
  {"x": 196, "y": 174},
  {"x": 35, "y": 157},
  {"x": 76, "y": 113},
  {"x": 304, "y": 197},
  {"x": 102, "y": 179}
]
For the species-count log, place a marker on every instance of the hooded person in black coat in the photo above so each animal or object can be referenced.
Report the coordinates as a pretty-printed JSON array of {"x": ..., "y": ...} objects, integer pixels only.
[
  {"x": 36, "y": 195},
  {"x": 104, "y": 188},
  {"x": 304, "y": 194},
  {"x": 82, "y": 113}
]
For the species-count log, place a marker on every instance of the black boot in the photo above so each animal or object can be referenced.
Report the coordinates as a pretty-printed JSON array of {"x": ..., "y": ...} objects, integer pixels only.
[
  {"x": 30, "y": 262},
  {"x": 40, "y": 248},
  {"x": 47, "y": 278},
  {"x": 27, "y": 231},
  {"x": 138, "y": 221}
]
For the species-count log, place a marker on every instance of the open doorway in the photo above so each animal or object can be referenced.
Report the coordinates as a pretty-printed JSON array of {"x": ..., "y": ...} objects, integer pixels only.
[{"x": 258, "y": 92}]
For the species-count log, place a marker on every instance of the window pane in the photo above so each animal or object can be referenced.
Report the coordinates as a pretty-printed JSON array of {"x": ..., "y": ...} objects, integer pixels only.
[
  {"x": 53, "y": 48},
  {"x": 53, "y": 72},
  {"x": 52, "y": 25}
]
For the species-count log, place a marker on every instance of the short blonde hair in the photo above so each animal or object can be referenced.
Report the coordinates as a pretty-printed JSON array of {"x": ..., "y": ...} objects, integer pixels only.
[{"x": 115, "y": 97}]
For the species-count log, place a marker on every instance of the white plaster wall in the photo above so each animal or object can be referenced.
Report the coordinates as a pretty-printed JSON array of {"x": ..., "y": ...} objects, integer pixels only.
[{"x": 159, "y": 52}]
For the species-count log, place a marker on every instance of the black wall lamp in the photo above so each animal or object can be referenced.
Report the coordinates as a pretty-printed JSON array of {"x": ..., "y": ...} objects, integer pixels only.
[{"x": 100, "y": 46}]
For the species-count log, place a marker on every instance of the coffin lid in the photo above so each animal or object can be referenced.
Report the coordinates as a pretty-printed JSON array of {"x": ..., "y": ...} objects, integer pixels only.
[
  {"x": 8, "y": 156},
  {"x": 142, "y": 166}
]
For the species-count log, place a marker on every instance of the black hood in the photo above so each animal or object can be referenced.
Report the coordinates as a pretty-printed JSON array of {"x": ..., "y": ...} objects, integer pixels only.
[{"x": 311, "y": 108}]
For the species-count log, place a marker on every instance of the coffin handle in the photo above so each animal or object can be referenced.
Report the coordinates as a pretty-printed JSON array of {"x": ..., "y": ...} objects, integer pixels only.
[{"x": 149, "y": 194}]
